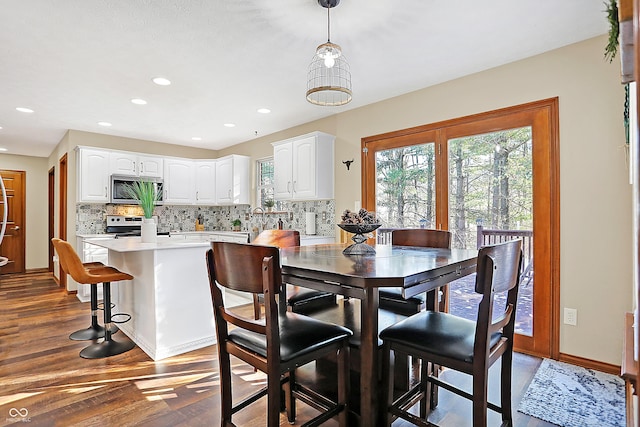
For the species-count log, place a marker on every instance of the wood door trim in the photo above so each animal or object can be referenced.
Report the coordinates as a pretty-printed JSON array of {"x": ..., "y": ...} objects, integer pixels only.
[
  {"x": 51, "y": 209},
  {"x": 461, "y": 120},
  {"x": 62, "y": 209},
  {"x": 547, "y": 163}
]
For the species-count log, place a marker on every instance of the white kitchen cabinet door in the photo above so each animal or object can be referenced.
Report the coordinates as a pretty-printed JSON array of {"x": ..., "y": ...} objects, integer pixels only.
[
  {"x": 282, "y": 171},
  {"x": 232, "y": 180},
  {"x": 178, "y": 182},
  {"x": 132, "y": 164},
  {"x": 150, "y": 166},
  {"x": 205, "y": 182},
  {"x": 123, "y": 163},
  {"x": 93, "y": 176},
  {"x": 303, "y": 167}
]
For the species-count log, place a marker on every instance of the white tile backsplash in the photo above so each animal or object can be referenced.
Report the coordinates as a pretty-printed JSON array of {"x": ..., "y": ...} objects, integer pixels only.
[{"x": 91, "y": 218}]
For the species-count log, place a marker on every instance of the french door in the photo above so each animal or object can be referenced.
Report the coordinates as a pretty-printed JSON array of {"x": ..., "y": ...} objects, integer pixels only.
[{"x": 493, "y": 174}]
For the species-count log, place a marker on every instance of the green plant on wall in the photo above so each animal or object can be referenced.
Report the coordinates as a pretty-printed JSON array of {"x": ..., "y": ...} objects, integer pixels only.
[
  {"x": 611, "y": 49},
  {"x": 145, "y": 192}
]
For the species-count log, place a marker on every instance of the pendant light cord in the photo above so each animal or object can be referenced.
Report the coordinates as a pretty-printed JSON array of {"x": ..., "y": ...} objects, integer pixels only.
[{"x": 328, "y": 24}]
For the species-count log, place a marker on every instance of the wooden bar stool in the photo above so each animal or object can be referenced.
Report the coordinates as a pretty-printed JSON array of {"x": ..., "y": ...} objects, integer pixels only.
[
  {"x": 92, "y": 274},
  {"x": 277, "y": 345},
  {"x": 391, "y": 298},
  {"x": 460, "y": 344},
  {"x": 299, "y": 300},
  {"x": 95, "y": 330}
]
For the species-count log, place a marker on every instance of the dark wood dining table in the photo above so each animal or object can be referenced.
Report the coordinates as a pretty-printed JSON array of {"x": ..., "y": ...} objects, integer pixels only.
[{"x": 416, "y": 270}]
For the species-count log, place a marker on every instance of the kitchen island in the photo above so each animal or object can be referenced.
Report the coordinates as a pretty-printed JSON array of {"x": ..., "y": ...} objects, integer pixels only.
[{"x": 169, "y": 298}]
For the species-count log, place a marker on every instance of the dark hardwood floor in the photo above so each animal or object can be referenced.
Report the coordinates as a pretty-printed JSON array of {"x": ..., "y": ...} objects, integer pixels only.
[{"x": 45, "y": 382}]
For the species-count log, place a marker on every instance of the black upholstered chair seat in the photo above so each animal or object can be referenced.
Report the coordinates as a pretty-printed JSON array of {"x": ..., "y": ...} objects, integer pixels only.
[
  {"x": 437, "y": 333},
  {"x": 299, "y": 335},
  {"x": 392, "y": 299},
  {"x": 302, "y": 300},
  {"x": 396, "y": 293}
]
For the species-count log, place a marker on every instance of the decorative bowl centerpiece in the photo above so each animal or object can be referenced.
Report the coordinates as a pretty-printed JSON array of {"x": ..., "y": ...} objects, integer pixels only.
[{"x": 359, "y": 223}]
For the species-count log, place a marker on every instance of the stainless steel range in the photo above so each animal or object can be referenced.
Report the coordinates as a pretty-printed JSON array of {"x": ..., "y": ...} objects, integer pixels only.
[{"x": 126, "y": 225}]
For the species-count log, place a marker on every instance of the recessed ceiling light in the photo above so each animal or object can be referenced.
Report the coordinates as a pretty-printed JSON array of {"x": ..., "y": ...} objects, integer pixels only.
[
  {"x": 196, "y": 138},
  {"x": 105, "y": 124},
  {"x": 161, "y": 81},
  {"x": 264, "y": 110},
  {"x": 3, "y": 149},
  {"x": 24, "y": 110},
  {"x": 230, "y": 125},
  {"x": 138, "y": 101},
  {"x": 0, "y": 127}
]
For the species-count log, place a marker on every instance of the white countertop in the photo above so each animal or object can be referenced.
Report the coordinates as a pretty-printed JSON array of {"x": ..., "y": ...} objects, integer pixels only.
[{"x": 133, "y": 244}]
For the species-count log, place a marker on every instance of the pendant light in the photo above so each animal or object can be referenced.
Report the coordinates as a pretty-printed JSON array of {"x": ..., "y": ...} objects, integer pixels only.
[{"x": 329, "y": 78}]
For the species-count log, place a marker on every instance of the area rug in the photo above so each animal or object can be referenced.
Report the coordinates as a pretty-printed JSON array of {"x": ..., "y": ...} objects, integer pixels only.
[{"x": 571, "y": 396}]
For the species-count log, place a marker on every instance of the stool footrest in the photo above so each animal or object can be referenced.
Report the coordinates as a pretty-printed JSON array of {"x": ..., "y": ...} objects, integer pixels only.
[
  {"x": 127, "y": 317},
  {"x": 101, "y": 305}
]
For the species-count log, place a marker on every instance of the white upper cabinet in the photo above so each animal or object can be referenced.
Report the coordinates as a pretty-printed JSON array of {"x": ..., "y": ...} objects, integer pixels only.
[
  {"x": 185, "y": 182},
  {"x": 232, "y": 180},
  {"x": 179, "y": 175},
  {"x": 205, "y": 182},
  {"x": 132, "y": 164},
  {"x": 150, "y": 166},
  {"x": 93, "y": 175},
  {"x": 303, "y": 167}
]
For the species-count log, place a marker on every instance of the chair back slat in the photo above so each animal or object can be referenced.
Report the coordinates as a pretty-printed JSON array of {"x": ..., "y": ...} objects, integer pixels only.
[
  {"x": 502, "y": 257},
  {"x": 422, "y": 237},
  {"x": 226, "y": 258},
  {"x": 498, "y": 270},
  {"x": 487, "y": 237}
]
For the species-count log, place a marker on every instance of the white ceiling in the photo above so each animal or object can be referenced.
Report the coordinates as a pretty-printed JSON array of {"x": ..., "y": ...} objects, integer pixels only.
[{"x": 78, "y": 62}]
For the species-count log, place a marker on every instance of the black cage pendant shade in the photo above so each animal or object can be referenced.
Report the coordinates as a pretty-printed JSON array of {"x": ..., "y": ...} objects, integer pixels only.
[{"x": 329, "y": 78}]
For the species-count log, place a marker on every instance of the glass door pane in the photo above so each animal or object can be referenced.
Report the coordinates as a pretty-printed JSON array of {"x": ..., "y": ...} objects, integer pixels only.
[
  {"x": 405, "y": 186},
  {"x": 491, "y": 201}
]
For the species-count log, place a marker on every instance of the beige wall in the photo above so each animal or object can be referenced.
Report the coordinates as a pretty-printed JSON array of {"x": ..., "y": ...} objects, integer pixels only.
[
  {"x": 36, "y": 225},
  {"x": 595, "y": 270}
]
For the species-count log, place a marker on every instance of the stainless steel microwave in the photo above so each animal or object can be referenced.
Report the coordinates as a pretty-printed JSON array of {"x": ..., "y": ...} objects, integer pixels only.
[{"x": 120, "y": 182}]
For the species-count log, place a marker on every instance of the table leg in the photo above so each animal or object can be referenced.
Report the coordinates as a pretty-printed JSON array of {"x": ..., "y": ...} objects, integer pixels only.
[{"x": 369, "y": 358}]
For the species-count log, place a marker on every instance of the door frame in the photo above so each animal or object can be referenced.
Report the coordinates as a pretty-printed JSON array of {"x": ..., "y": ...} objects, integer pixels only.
[
  {"x": 543, "y": 117},
  {"x": 51, "y": 227},
  {"x": 62, "y": 211}
]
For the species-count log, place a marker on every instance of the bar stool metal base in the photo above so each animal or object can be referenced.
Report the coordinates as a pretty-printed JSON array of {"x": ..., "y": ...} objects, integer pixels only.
[
  {"x": 93, "y": 332},
  {"x": 106, "y": 349}
]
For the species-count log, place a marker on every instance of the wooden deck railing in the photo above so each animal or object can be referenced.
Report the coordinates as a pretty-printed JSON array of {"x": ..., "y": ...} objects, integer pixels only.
[{"x": 487, "y": 236}]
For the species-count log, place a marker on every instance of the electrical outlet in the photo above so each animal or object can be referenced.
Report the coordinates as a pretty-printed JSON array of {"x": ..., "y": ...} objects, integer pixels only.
[
  {"x": 570, "y": 316},
  {"x": 324, "y": 215}
]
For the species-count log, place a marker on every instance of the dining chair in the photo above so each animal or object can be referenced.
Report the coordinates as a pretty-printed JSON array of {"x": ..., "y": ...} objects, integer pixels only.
[
  {"x": 92, "y": 274},
  {"x": 277, "y": 344},
  {"x": 391, "y": 298},
  {"x": 299, "y": 299},
  {"x": 460, "y": 344}
]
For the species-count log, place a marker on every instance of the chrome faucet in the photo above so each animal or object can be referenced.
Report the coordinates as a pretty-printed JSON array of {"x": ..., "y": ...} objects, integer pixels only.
[{"x": 262, "y": 222}]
